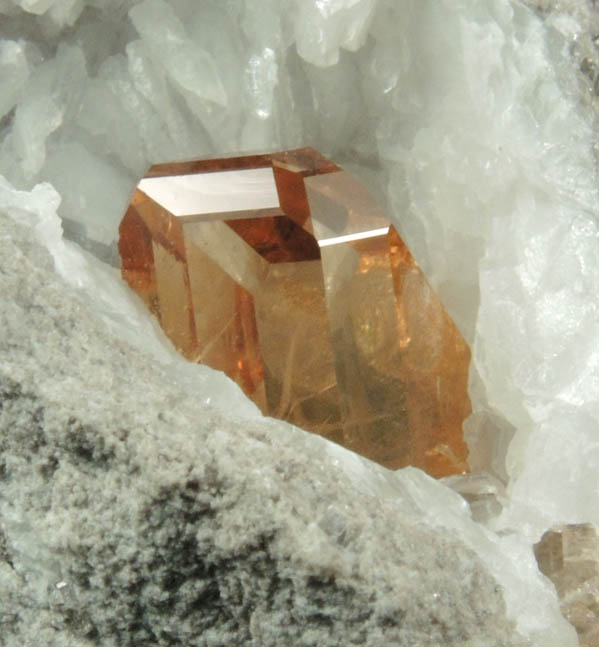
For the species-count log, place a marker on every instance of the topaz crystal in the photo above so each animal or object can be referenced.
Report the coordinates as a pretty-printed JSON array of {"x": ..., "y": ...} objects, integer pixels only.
[{"x": 282, "y": 271}]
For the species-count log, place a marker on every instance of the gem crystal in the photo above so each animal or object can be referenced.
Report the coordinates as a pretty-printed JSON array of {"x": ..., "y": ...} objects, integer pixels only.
[
  {"x": 282, "y": 271},
  {"x": 569, "y": 556}
]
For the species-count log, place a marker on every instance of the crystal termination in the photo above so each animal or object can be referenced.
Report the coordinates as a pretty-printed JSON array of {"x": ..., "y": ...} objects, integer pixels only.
[{"x": 282, "y": 271}]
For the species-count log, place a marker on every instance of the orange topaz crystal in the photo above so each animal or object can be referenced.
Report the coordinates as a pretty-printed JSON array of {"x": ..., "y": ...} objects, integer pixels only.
[{"x": 282, "y": 271}]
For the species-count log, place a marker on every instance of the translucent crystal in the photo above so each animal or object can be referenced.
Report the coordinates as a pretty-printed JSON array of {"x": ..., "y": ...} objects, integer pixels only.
[
  {"x": 569, "y": 557},
  {"x": 283, "y": 272}
]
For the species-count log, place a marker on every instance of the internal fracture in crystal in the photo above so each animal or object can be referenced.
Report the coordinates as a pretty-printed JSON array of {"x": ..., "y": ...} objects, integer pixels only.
[{"x": 282, "y": 271}]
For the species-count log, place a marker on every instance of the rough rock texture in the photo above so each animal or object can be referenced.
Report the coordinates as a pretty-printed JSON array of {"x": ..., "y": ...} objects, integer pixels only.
[
  {"x": 478, "y": 116},
  {"x": 133, "y": 515}
]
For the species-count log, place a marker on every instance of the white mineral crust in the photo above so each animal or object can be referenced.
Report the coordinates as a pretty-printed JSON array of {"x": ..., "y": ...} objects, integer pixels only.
[
  {"x": 132, "y": 512},
  {"x": 477, "y": 119}
]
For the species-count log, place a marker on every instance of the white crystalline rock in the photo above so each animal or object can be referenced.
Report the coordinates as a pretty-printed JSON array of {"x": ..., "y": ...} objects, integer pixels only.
[
  {"x": 72, "y": 164},
  {"x": 122, "y": 311},
  {"x": 493, "y": 159},
  {"x": 323, "y": 27},
  {"x": 265, "y": 25},
  {"x": 485, "y": 131},
  {"x": 14, "y": 71},
  {"x": 48, "y": 99},
  {"x": 36, "y": 209},
  {"x": 269, "y": 32},
  {"x": 340, "y": 110},
  {"x": 61, "y": 12},
  {"x": 262, "y": 77},
  {"x": 66, "y": 13},
  {"x": 510, "y": 558},
  {"x": 172, "y": 137},
  {"x": 28, "y": 142},
  {"x": 35, "y": 6},
  {"x": 190, "y": 67}
]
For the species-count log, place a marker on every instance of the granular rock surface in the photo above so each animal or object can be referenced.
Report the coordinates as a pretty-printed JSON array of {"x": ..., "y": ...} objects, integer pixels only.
[{"x": 133, "y": 514}]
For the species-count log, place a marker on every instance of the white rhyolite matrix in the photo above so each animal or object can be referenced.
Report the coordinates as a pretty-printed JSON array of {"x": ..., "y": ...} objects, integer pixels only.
[{"x": 469, "y": 116}]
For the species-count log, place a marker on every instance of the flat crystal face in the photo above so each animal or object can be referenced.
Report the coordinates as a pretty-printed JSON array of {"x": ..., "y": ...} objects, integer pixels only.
[
  {"x": 282, "y": 271},
  {"x": 569, "y": 556},
  {"x": 198, "y": 194}
]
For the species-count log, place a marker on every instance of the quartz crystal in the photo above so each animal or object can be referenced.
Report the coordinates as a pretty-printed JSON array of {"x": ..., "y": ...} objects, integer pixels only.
[
  {"x": 569, "y": 556},
  {"x": 283, "y": 272}
]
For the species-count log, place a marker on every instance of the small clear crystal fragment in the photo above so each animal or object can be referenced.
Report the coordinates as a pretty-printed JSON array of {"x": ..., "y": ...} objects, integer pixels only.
[{"x": 569, "y": 556}]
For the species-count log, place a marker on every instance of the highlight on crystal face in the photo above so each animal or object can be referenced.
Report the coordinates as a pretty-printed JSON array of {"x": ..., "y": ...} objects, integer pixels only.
[{"x": 282, "y": 271}]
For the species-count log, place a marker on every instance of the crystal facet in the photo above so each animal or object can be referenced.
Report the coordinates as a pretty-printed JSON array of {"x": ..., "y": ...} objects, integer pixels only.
[
  {"x": 569, "y": 556},
  {"x": 282, "y": 271}
]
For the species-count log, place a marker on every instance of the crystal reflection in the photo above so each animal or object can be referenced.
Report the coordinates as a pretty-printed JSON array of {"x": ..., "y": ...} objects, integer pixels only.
[{"x": 283, "y": 272}]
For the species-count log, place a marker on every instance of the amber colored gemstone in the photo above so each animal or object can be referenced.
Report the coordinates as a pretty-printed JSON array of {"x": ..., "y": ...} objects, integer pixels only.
[{"x": 283, "y": 272}]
